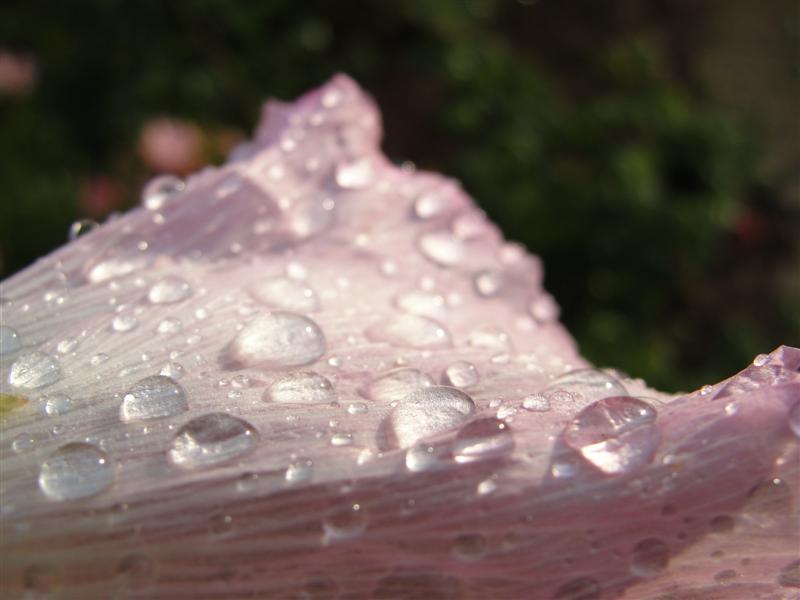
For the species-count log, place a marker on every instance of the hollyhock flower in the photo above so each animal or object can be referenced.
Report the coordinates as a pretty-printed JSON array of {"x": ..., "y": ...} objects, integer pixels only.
[
  {"x": 313, "y": 374},
  {"x": 171, "y": 145}
]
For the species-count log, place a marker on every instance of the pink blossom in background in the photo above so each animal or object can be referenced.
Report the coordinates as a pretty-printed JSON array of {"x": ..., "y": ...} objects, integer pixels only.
[
  {"x": 169, "y": 145},
  {"x": 313, "y": 374},
  {"x": 18, "y": 73}
]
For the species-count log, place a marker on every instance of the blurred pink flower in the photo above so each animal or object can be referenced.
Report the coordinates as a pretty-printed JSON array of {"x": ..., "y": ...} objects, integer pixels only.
[
  {"x": 171, "y": 145},
  {"x": 17, "y": 73}
]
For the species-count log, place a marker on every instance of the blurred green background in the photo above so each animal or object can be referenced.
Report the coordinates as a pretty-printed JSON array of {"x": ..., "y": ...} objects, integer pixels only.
[{"x": 647, "y": 150}]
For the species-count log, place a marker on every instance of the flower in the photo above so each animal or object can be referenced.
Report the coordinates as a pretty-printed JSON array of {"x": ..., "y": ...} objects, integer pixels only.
[{"x": 312, "y": 374}]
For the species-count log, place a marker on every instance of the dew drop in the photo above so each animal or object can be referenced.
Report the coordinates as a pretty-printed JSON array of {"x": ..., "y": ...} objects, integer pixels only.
[
  {"x": 299, "y": 470},
  {"x": 357, "y": 408},
  {"x": 122, "y": 323},
  {"x": 34, "y": 370},
  {"x": 460, "y": 374},
  {"x": 160, "y": 190},
  {"x": 432, "y": 204},
  {"x": 536, "y": 403},
  {"x": 355, "y": 174},
  {"x": 169, "y": 325},
  {"x": 794, "y": 420},
  {"x": 173, "y": 369},
  {"x": 301, "y": 387},
  {"x": 277, "y": 340},
  {"x": 153, "y": 397},
  {"x": 411, "y": 331},
  {"x": 395, "y": 385},
  {"x": 80, "y": 228},
  {"x": 649, "y": 558},
  {"x": 760, "y": 360},
  {"x": 616, "y": 435},
  {"x": 587, "y": 385},
  {"x": 211, "y": 439},
  {"x": 421, "y": 457},
  {"x": 169, "y": 291},
  {"x": 9, "y": 340},
  {"x": 347, "y": 521},
  {"x": 417, "y": 302},
  {"x": 342, "y": 439},
  {"x": 721, "y": 524},
  {"x": 286, "y": 294},
  {"x": 57, "y": 404},
  {"x": 469, "y": 547},
  {"x": 427, "y": 412},
  {"x": 582, "y": 588},
  {"x": 489, "y": 282},
  {"x": 483, "y": 439},
  {"x": 23, "y": 443},
  {"x": 75, "y": 471},
  {"x": 544, "y": 309},
  {"x": 442, "y": 248}
]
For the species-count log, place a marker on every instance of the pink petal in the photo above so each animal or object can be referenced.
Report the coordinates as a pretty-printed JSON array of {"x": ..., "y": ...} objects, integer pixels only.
[{"x": 233, "y": 391}]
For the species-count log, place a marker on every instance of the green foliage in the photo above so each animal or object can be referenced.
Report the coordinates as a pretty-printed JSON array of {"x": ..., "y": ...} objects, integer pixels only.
[{"x": 629, "y": 191}]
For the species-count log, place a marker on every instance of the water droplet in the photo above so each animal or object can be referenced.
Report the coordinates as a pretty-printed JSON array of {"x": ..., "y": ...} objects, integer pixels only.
[
  {"x": 302, "y": 387},
  {"x": 135, "y": 571},
  {"x": 169, "y": 325},
  {"x": 160, "y": 190},
  {"x": 342, "y": 439},
  {"x": 460, "y": 374},
  {"x": 345, "y": 521},
  {"x": 410, "y": 331},
  {"x": 790, "y": 575},
  {"x": 357, "y": 408},
  {"x": 483, "y": 439},
  {"x": 721, "y": 524},
  {"x": 443, "y": 248},
  {"x": 421, "y": 457},
  {"x": 212, "y": 439},
  {"x": 616, "y": 435},
  {"x": 395, "y": 385},
  {"x": 299, "y": 470},
  {"x": 761, "y": 360},
  {"x": 418, "y": 302},
  {"x": 587, "y": 385},
  {"x": 153, "y": 397},
  {"x": 75, "y": 471},
  {"x": 469, "y": 547},
  {"x": 582, "y": 588},
  {"x": 536, "y": 403},
  {"x": 434, "y": 203},
  {"x": 794, "y": 420},
  {"x": 34, "y": 370},
  {"x": 169, "y": 290},
  {"x": 285, "y": 293},
  {"x": 9, "y": 340},
  {"x": 277, "y": 340},
  {"x": 415, "y": 584},
  {"x": 80, "y": 228},
  {"x": 122, "y": 323},
  {"x": 489, "y": 282},
  {"x": 98, "y": 359},
  {"x": 355, "y": 174},
  {"x": 427, "y": 412},
  {"x": 544, "y": 309},
  {"x": 221, "y": 524},
  {"x": 57, "y": 404},
  {"x": 486, "y": 487},
  {"x": 649, "y": 558},
  {"x": 172, "y": 369},
  {"x": 23, "y": 443}
]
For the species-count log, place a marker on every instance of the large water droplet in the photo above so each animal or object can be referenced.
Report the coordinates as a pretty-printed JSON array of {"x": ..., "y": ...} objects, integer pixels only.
[
  {"x": 355, "y": 174},
  {"x": 128, "y": 254},
  {"x": 277, "y": 340},
  {"x": 616, "y": 435},
  {"x": 75, "y": 471},
  {"x": 582, "y": 588},
  {"x": 160, "y": 190},
  {"x": 299, "y": 470},
  {"x": 285, "y": 293},
  {"x": 122, "y": 323},
  {"x": 649, "y": 558},
  {"x": 57, "y": 404},
  {"x": 427, "y": 412},
  {"x": 346, "y": 521},
  {"x": 395, "y": 385},
  {"x": 536, "y": 403},
  {"x": 410, "y": 331},
  {"x": 169, "y": 290},
  {"x": 302, "y": 387},
  {"x": 211, "y": 439},
  {"x": 34, "y": 370},
  {"x": 461, "y": 374},
  {"x": 483, "y": 439},
  {"x": 443, "y": 248},
  {"x": 421, "y": 457},
  {"x": 9, "y": 340},
  {"x": 153, "y": 398},
  {"x": 587, "y": 385}
]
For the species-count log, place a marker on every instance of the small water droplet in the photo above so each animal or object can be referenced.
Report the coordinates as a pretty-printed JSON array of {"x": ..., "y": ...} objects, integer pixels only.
[
  {"x": 221, "y": 524},
  {"x": 80, "y": 228},
  {"x": 169, "y": 291},
  {"x": 442, "y": 248},
  {"x": 587, "y": 385},
  {"x": 153, "y": 397},
  {"x": 489, "y": 282},
  {"x": 544, "y": 309},
  {"x": 536, "y": 403},
  {"x": 285, "y": 293},
  {"x": 173, "y": 369},
  {"x": 122, "y": 323},
  {"x": 299, "y": 470},
  {"x": 582, "y": 588},
  {"x": 277, "y": 340},
  {"x": 34, "y": 370},
  {"x": 135, "y": 571},
  {"x": 427, "y": 412},
  {"x": 211, "y": 439},
  {"x": 790, "y": 575},
  {"x": 9, "y": 340},
  {"x": 342, "y": 439},
  {"x": 357, "y": 408},
  {"x": 460, "y": 374},
  {"x": 169, "y": 325},
  {"x": 98, "y": 359},
  {"x": 417, "y": 302},
  {"x": 346, "y": 521},
  {"x": 23, "y": 443},
  {"x": 469, "y": 547},
  {"x": 616, "y": 435},
  {"x": 160, "y": 190},
  {"x": 649, "y": 558},
  {"x": 721, "y": 524},
  {"x": 57, "y": 404},
  {"x": 434, "y": 203},
  {"x": 395, "y": 385},
  {"x": 75, "y": 471},
  {"x": 301, "y": 387},
  {"x": 483, "y": 439},
  {"x": 410, "y": 331},
  {"x": 355, "y": 174},
  {"x": 761, "y": 360}
]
